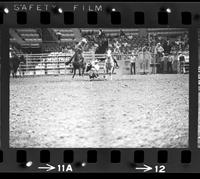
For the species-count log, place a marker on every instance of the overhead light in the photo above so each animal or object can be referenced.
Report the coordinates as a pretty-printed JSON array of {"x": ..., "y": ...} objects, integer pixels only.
[
  {"x": 29, "y": 164},
  {"x": 113, "y": 9},
  {"x": 57, "y": 10},
  {"x": 60, "y": 10},
  {"x": 83, "y": 164},
  {"x": 168, "y": 10},
  {"x": 6, "y": 10}
]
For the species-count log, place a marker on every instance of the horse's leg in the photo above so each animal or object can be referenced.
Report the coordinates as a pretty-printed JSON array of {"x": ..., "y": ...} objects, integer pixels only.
[
  {"x": 111, "y": 70},
  {"x": 22, "y": 72},
  {"x": 74, "y": 72},
  {"x": 82, "y": 72},
  {"x": 104, "y": 72},
  {"x": 107, "y": 71},
  {"x": 79, "y": 70}
]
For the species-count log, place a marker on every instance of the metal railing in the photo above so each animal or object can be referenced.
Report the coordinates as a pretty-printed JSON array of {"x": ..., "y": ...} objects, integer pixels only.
[
  {"x": 45, "y": 63},
  {"x": 54, "y": 63}
]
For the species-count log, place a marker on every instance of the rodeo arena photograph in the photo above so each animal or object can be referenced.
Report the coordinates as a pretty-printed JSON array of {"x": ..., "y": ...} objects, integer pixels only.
[{"x": 99, "y": 88}]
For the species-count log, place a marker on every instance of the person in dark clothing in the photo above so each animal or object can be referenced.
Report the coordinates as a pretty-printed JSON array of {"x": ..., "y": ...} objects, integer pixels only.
[
  {"x": 167, "y": 50},
  {"x": 159, "y": 52},
  {"x": 169, "y": 65}
]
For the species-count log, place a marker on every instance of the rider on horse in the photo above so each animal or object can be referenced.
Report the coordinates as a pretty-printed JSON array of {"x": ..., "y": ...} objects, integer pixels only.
[
  {"x": 78, "y": 50},
  {"x": 80, "y": 47},
  {"x": 109, "y": 55}
]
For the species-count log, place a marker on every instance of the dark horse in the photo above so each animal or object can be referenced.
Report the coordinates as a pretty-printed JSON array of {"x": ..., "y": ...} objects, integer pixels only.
[
  {"x": 14, "y": 64},
  {"x": 78, "y": 63}
]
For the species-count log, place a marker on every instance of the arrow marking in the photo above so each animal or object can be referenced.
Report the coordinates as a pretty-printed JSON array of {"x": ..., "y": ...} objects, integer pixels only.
[
  {"x": 47, "y": 168},
  {"x": 145, "y": 168}
]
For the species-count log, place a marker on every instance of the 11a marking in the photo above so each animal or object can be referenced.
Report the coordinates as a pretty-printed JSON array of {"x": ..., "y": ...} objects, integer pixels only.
[{"x": 64, "y": 168}]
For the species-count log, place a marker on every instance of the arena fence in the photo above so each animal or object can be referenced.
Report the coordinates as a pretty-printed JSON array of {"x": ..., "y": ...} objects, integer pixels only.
[{"x": 54, "y": 63}]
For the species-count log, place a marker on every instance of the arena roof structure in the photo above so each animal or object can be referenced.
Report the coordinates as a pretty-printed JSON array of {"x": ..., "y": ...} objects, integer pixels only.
[{"x": 33, "y": 38}]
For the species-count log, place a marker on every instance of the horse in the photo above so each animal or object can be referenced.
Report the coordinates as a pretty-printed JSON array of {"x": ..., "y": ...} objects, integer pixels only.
[
  {"x": 109, "y": 66},
  {"x": 78, "y": 63},
  {"x": 14, "y": 64}
]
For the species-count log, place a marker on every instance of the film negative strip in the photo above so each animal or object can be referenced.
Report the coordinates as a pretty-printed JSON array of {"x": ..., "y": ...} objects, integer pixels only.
[{"x": 99, "y": 87}]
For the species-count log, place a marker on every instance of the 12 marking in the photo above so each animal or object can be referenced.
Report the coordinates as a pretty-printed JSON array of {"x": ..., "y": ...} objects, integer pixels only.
[{"x": 146, "y": 168}]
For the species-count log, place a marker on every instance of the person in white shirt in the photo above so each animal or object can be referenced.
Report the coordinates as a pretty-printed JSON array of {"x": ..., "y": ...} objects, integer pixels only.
[
  {"x": 181, "y": 60},
  {"x": 81, "y": 44},
  {"x": 159, "y": 49},
  {"x": 109, "y": 55},
  {"x": 79, "y": 48},
  {"x": 93, "y": 69},
  {"x": 132, "y": 63},
  {"x": 95, "y": 66}
]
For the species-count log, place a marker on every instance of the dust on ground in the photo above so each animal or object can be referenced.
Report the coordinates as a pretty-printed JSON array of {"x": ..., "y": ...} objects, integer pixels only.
[{"x": 129, "y": 111}]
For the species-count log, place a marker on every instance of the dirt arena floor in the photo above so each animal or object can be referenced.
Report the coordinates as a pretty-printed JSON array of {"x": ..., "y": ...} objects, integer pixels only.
[{"x": 131, "y": 111}]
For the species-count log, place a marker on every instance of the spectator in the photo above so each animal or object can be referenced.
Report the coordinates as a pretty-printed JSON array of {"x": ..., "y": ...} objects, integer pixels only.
[
  {"x": 132, "y": 62},
  {"x": 159, "y": 55},
  {"x": 167, "y": 48}
]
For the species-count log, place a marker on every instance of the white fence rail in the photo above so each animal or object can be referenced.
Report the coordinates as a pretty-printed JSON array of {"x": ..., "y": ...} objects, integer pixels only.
[{"x": 45, "y": 63}]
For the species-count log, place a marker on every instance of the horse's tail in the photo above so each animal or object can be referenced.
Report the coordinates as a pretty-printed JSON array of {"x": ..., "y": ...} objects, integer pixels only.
[{"x": 70, "y": 60}]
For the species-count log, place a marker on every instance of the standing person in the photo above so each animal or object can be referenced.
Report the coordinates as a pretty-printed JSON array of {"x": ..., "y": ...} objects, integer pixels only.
[
  {"x": 117, "y": 47},
  {"x": 159, "y": 51},
  {"x": 132, "y": 63},
  {"x": 181, "y": 61},
  {"x": 167, "y": 51},
  {"x": 169, "y": 64},
  {"x": 144, "y": 60},
  {"x": 167, "y": 48}
]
